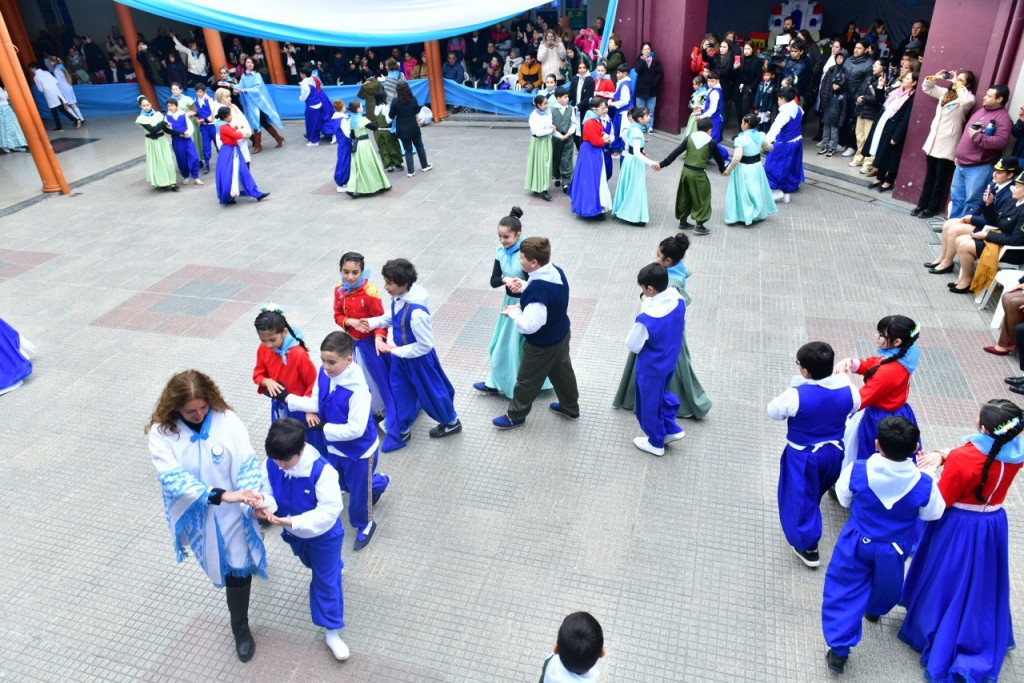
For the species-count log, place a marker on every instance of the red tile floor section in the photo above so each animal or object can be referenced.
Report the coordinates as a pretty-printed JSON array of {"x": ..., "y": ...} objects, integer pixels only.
[{"x": 14, "y": 262}]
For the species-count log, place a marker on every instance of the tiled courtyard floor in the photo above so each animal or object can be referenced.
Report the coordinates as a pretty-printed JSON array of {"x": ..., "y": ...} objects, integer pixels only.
[{"x": 487, "y": 539}]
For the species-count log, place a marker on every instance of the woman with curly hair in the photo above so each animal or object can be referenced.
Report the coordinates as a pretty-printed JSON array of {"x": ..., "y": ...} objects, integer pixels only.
[{"x": 208, "y": 474}]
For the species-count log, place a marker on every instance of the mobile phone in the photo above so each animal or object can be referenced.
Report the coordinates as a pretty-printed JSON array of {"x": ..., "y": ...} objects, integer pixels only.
[{"x": 736, "y": 60}]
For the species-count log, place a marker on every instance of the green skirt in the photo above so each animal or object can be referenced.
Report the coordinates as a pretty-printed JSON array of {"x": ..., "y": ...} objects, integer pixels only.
[
  {"x": 506, "y": 353},
  {"x": 693, "y": 402},
  {"x": 390, "y": 152},
  {"x": 538, "y": 165},
  {"x": 367, "y": 172},
  {"x": 160, "y": 168}
]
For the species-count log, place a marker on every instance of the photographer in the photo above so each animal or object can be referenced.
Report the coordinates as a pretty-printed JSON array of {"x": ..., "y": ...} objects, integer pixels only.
[
  {"x": 981, "y": 144},
  {"x": 551, "y": 54},
  {"x": 701, "y": 57}
]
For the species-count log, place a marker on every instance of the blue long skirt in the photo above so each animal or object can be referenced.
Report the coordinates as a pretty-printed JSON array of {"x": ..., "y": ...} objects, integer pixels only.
[
  {"x": 377, "y": 368},
  {"x": 862, "y": 430},
  {"x": 957, "y": 596},
  {"x": 585, "y": 191},
  {"x": 14, "y": 366},
  {"x": 233, "y": 178},
  {"x": 804, "y": 477},
  {"x": 420, "y": 383},
  {"x": 343, "y": 168},
  {"x": 784, "y": 166}
]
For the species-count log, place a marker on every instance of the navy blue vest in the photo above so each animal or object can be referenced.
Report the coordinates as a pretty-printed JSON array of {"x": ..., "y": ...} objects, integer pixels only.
[
  {"x": 296, "y": 495},
  {"x": 872, "y": 520},
  {"x": 203, "y": 111},
  {"x": 556, "y": 299},
  {"x": 821, "y": 416},
  {"x": 334, "y": 408},
  {"x": 401, "y": 324},
  {"x": 660, "y": 353}
]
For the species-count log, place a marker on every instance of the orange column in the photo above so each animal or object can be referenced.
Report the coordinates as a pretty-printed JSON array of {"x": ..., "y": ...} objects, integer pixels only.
[
  {"x": 436, "y": 86},
  {"x": 214, "y": 49},
  {"x": 124, "y": 17},
  {"x": 16, "y": 27},
  {"x": 28, "y": 116},
  {"x": 272, "y": 49}
]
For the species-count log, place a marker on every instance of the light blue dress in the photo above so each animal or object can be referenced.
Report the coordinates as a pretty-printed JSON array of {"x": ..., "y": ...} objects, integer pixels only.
[
  {"x": 630, "y": 202},
  {"x": 256, "y": 99},
  {"x": 748, "y": 198}
]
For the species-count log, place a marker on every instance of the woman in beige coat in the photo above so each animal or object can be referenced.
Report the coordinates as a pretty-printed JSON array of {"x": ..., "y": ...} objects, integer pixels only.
[
  {"x": 951, "y": 112},
  {"x": 551, "y": 55}
]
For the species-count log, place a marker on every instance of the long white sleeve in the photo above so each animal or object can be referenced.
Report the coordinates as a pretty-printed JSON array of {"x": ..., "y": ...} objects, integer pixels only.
[
  {"x": 303, "y": 90},
  {"x": 843, "y": 492},
  {"x": 712, "y": 104},
  {"x": 637, "y": 337},
  {"x": 936, "y": 503},
  {"x": 636, "y": 148},
  {"x": 530, "y": 319},
  {"x": 266, "y": 490},
  {"x": 307, "y": 404},
  {"x": 626, "y": 97},
  {"x": 781, "y": 120},
  {"x": 381, "y": 320},
  {"x": 540, "y": 125},
  {"x": 182, "y": 50},
  {"x": 423, "y": 330},
  {"x": 785, "y": 405}
]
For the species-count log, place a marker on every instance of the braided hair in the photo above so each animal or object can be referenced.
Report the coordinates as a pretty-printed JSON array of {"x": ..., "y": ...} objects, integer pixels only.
[
  {"x": 274, "y": 321},
  {"x": 896, "y": 328},
  {"x": 998, "y": 413}
]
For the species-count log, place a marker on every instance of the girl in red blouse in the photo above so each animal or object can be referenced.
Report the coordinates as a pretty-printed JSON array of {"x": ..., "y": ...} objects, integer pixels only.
[
  {"x": 589, "y": 190},
  {"x": 957, "y": 591},
  {"x": 355, "y": 299},
  {"x": 232, "y": 176},
  {"x": 282, "y": 363}
]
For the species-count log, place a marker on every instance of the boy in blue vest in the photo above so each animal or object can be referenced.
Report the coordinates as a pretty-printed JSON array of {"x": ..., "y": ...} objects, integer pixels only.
[
  {"x": 656, "y": 338},
  {"x": 886, "y": 494},
  {"x": 301, "y": 494},
  {"x": 205, "y": 117},
  {"x": 816, "y": 407},
  {"x": 542, "y": 317},
  {"x": 347, "y": 433}
]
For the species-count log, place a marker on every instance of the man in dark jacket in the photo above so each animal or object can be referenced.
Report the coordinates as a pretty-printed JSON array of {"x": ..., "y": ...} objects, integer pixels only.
[
  {"x": 648, "y": 79},
  {"x": 867, "y": 106},
  {"x": 858, "y": 68}
]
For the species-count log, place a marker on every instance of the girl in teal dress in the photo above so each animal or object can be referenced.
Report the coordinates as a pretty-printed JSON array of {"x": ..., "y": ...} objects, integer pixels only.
[
  {"x": 693, "y": 402},
  {"x": 631, "y": 193},
  {"x": 367, "y": 176},
  {"x": 506, "y": 350},
  {"x": 700, "y": 91},
  {"x": 748, "y": 197}
]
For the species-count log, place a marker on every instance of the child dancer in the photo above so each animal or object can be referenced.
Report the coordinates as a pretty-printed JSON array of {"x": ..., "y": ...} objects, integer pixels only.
[
  {"x": 886, "y": 383},
  {"x": 815, "y": 407},
  {"x": 368, "y": 175},
  {"x": 538, "y": 161},
  {"x": 316, "y": 111},
  {"x": 714, "y": 106},
  {"x": 656, "y": 338},
  {"x": 631, "y": 193},
  {"x": 579, "y": 646},
  {"x": 233, "y": 177},
  {"x": 343, "y": 135},
  {"x": 589, "y": 190},
  {"x": 181, "y": 142},
  {"x": 506, "y": 350},
  {"x": 300, "y": 493},
  {"x": 693, "y": 196},
  {"x": 957, "y": 592},
  {"x": 542, "y": 317},
  {"x": 693, "y": 402},
  {"x": 205, "y": 110},
  {"x": 348, "y": 439},
  {"x": 356, "y": 299},
  {"x": 563, "y": 118},
  {"x": 417, "y": 380},
  {"x": 887, "y": 495},
  {"x": 619, "y": 105},
  {"x": 282, "y": 362},
  {"x": 697, "y": 101},
  {"x": 784, "y": 164},
  {"x": 186, "y": 106},
  {"x": 387, "y": 143},
  {"x": 16, "y": 354},
  {"x": 748, "y": 198},
  {"x": 160, "y": 171},
  {"x": 339, "y": 114}
]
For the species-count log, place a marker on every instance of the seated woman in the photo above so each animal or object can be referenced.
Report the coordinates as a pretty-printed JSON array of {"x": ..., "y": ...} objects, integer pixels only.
[
  {"x": 1011, "y": 332},
  {"x": 995, "y": 201},
  {"x": 968, "y": 247}
]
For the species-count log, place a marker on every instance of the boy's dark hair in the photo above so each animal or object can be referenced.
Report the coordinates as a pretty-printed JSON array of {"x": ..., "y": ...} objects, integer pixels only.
[
  {"x": 898, "y": 438},
  {"x": 623, "y": 68},
  {"x": 199, "y": 86},
  {"x": 713, "y": 76},
  {"x": 536, "y": 249},
  {"x": 400, "y": 271},
  {"x": 286, "y": 438},
  {"x": 338, "y": 342},
  {"x": 704, "y": 124},
  {"x": 172, "y": 101},
  {"x": 817, "y": 358},
  {"x": 580, "y": 641},
  {"x": 787, "y": 93},
  {"x": 653, "y": 275},
  {"x": 561, "y": 91}
]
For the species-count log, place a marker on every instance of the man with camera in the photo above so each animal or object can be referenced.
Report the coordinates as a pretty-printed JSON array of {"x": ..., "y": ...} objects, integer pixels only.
[{"x": 982, "y": 142}]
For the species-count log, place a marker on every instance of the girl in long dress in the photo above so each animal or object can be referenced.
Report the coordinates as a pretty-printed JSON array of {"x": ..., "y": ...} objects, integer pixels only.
[
  {"x": 209, "y": 474},
  {"x": 60, "y": 72},
  {"x": 256, "y": 100},
  {"x": 241, "y": 124},
  {"x": 957, "y": 591},
  {"x": 233, "y": 177},
  {"x": 368, "y": 176},
  {"x": 693, "y": 402},
  {"x": 160, "y": 170},
  {"x": 12, "y": 139},
  {"x": 631, "y": 192},
  {"x": 538, "y": 161},
  {"x": 589, "y": 190},
  {"x": 506, "y": 349},
  {"x": 748, "y": 198},
  {"x": 15, "y": 358}
]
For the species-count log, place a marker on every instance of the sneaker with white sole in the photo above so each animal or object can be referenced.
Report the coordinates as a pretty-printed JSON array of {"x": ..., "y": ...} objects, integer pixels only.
[
  {"x": 644, "y": 444},
  {"x": 197, "y": 181},
  {"x": 312, "y": 144},
  {"x": 428, "y": 167},
  {"x": 850, "y": 151},
  {"x": 785, "y": 198},
  {"x": 337, "y": 645},
  {"x": 809, "y": 557},
  {"x": 343, "y": 188},
  {"x": 853, "y": 164},
  {"x": 441, "y": 431},
  {"x": 669, "y": 438},
  {"x": 410, "y": 175}
]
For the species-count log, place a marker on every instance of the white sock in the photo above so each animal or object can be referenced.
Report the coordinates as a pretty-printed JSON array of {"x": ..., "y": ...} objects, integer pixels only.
[{"x": 367, "y": 529}]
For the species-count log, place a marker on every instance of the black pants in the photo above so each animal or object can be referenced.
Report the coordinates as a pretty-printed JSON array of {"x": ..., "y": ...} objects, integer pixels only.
[
  {"x": 938, "y": 174},
  {"x": 59, "y": 109},
  {"x": 408, "y": 142}
]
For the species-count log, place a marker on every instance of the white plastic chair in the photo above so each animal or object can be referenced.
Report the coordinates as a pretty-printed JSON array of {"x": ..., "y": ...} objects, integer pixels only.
[
  {"x": 1005, "y": 279},
  {"x": 1012, "y": 268},
  {"x": 512, "y": 80}
]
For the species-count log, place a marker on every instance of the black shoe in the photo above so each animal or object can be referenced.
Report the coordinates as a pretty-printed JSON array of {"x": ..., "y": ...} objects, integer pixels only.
[
  {"x": 441, "y": 431},
  {"x": 809, "y": 557},
  {"x": 951, "y": 285},
  {"x": 558, "y": 182},
  {"x": 701, "y": 230},
  {"x": 174, "y": 188},
  {"x": 1014, "y": 380},
  {"x": 685, "y": 225},
  {"x": 405, "y": 436},
  {"x": 835, "y": 662},
  {"x": 873, "y": 618},
  {"x": 228, "y": 202},
  {"x": 238, "y": 607},
  {"x": 916, "y": 211},
  {"x": 545, "y": 195},
  {"x": 261, "y": 196},
  {"x": 1017, "y": 388},
  {"x": 956, "y": 290},
  {"x": 926, "y": 214},
  {"x": 941, "y": 271},
  {"x": 930, "y": 264}
]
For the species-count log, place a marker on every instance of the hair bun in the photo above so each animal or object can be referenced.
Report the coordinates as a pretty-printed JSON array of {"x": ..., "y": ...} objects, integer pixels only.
[{"x": 515, "y": 212}]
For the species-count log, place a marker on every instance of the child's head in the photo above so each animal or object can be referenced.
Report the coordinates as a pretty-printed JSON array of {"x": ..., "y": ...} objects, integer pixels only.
[
  {"x": 352, "y": 265},
  {"x": 640, "y": 115},
  {"x": 581, "y": 69},
  {"x": 336, "y": 352},
  {"x": 355, "y": 105},
  {"x": 144, "y": 103},
  {"x": 671, "y": 250},
  {"x": 285, "y": 441},
  {"x": 894, "y": 332},
  {"x": 787, "y": 93},
  {"x": 172, "y": 106},
  {"x": 271, "y": 326},
  {"x": 509, "y": 227},
  {"x": 600, "y": 70},
  {"x": 749, "y": 122},
  {"x": 562, "y": 95},
  {"x": 653, "y": 279},
  {"x": 699, "y": 82},
  {"x": 399, "y": 275},
  {"x": 713, "y": 78},
  {"x": 224, "y": 114},
  {"x": 767, "y": 75},
  {"x": 339, "y": 105},
  {"x": 541, "y": 102},
  {"x": 175, "y": 88},
  {"x": 704, "y": 124},
  {"x": 816, "y": 360},
  {"x": 1003, "y": 421},
  {"x": 580, "y": 642},
  {"x": 550, "y": 81},
  {"x": 599, "y": 105},
  {"x": 200, "y": 90},
  {"x": 534, "y": 253},
  {"x": 622, "y": 70},
  {"x": 898, "y": 438}
]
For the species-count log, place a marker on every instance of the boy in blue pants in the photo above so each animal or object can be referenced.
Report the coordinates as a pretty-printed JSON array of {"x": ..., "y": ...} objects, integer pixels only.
[
  {"x": 656, "y": 338},
  {"x": 886, "y": 494},
  {"x": 206, "y": 111},
  {"x": 815, "y": 407},
  {"x": 301, "y": 494},
  {"x": 348, "y": 434}
]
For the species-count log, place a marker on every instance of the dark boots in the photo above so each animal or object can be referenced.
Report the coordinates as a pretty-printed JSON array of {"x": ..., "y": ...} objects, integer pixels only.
[
  {"x": 238, "y": 606},
  {"x": 274, "y": 134},
  {"x": 257, "y": 142}
]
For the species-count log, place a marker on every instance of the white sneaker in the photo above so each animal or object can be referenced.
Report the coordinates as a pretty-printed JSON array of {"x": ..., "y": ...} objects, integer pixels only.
[
  {"x": 669, "y": 438},
  {"x": 334, "y": 141},
  {"x": 849, "y": 152},
  {"x": 853, "y": 164},
  {"x": 863, "y": 170},
  {"x": 777, "y": 194},
  {"x": 312, "y": 144},
  {"x": 785, "y": 198},
  {"x": 337, "y": 645},
  {"x": 428, "y": 167},
  {"x": 342, "y": 188},
  {"x": 186, "y": 181},
  {"x": 197, "y": 181},
  {"x": 643, "y": 444}
]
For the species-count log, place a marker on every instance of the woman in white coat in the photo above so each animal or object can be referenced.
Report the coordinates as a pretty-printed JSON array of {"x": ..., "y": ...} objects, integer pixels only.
[
  {"x": 951, "y": 112},
  {"x": 551, "y": 55},
  {"x": 47, "y": 85}
]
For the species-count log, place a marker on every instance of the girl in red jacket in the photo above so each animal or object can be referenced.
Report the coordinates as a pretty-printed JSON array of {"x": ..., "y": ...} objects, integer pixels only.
[{"x": 282, "y": 362}]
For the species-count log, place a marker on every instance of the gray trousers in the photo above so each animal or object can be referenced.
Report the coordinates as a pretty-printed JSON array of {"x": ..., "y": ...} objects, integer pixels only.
[
  {"x": 561, "y": 160},
  {"x": 540, "y": 362}
]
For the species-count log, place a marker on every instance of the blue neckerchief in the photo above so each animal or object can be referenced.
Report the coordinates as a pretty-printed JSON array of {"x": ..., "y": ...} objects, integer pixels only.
[
  {"x": 286, "y": 344},
  {"x": 514, "y": 248},
  {"x": 908, "y": 361},
  {"x": 143, "y": 112},
  {"x": 590, "y": 115},
  {"x": 354, "y": 118},
  {"x": 349, "y": 289},
  {"x": 204, "y": 429},
  {"x": 1012, "y": 452},
  {"x": 394, "y": 74},
  {"x": 679, "y": 272}
]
